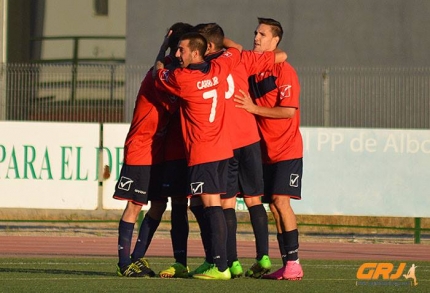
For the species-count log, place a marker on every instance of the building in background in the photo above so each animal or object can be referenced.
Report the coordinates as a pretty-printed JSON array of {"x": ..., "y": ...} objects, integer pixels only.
[
  {"x": 361, "y": 63},
  {"x": 43, "y": 30},
  {"x": 63, "y": 60}
]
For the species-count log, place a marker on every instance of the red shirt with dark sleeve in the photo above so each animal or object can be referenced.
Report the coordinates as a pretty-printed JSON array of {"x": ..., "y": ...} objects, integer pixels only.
[
  {"x": 281, "y": 138},
  {"x": 174, "y": 144},
  {"x": 201, "y": 88},
  {"x": 242, "y": 125},
  {"x": 144, "y": 144}
]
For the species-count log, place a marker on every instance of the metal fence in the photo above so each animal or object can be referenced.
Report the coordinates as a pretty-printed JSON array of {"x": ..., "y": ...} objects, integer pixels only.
[{"x": 330, "y": 97}]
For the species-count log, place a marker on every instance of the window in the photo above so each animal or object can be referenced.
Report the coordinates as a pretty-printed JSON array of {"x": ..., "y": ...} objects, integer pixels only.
[{"x": 101, "y": 7}]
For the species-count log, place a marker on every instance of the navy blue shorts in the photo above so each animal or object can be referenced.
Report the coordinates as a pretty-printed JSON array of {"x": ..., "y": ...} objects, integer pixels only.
[
  {"x": 245, "y": 172},
  {"x": 139, "y": 183},
  {"x": 283, "y": 178},
  {"x": 208, "y": 178},
  {"x": 175, "y": 179}
]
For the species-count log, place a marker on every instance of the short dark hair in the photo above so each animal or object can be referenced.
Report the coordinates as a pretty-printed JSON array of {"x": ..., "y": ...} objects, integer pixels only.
[
  {"x": 197, "y": 42},
  {"x": 178, "y": 29},
  {"x": 212, "y": 32},
  {"x": 276, "y": 26}
]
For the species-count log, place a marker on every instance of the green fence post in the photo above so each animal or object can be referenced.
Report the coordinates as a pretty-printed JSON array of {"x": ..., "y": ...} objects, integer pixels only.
[{"x": 417, "y": 234}]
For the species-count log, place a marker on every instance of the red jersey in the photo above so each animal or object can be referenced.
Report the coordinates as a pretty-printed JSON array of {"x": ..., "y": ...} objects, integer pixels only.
[
  {"x": 174, "y": 145},
  {"x": 145, "y": 139},
  {"x": 242, "y": 125},
  {"x": 201, "y": 88},
  {"x": 281, "y": 138}
]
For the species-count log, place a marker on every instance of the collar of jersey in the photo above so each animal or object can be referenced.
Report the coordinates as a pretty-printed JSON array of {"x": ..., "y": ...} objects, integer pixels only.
[
  {"x": 202, "y": 66},
  {"x": 212, "y": 56}
]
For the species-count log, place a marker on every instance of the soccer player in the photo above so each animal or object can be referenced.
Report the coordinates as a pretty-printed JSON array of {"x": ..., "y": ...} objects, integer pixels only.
[
  {"x": 175, "y": 186},
  {"x": 245, "y": 176},
  {"x": 201, "y": 87},
  {"x": 142, "y": 172},
  {"x": 175, "y": 183},
  {"x": 275, "y": 103}
]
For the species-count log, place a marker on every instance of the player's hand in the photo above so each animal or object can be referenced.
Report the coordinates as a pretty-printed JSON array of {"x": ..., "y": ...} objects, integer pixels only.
[{"x": 244, "y": 101}]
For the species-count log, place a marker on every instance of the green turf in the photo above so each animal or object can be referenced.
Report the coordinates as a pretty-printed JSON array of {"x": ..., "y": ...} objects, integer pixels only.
[{"x": 77, "y": 274}]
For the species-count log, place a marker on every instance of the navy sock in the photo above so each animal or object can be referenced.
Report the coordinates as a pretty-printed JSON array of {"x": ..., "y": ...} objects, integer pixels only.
[
  {"x": 146, "y": 232},
  {"x": 231, "y": 221},
  {"x": 179, "y": 232},
  {"x": 258, "y": 216},
  {"x": 125, "y": 234},
  {"x": 218, "y": 227},
  {"x": 282, "y": 250},
  {"x": 291, "y": 244},
  {"x": 198, "y": 212}
]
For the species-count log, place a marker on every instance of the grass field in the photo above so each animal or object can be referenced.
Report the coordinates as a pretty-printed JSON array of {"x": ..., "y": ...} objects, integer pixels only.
[{"x": 35, "y": 274}]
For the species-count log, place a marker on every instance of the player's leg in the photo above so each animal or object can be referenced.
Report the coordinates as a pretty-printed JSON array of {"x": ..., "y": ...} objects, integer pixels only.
[
  {"x": 153, "y": 216},
  {"x": 290, "y": 238},
  {"x": 179, "y": 237},
  {"x": 214, "y": 214},
  {"x": 125, "y": 233},
  {"x": 252, "y": 188},
  {"x": 175, "y": 185},
  {"x": 259, "y": 222},
  {"x": 180, "y": 229},
  {"x": 131, "y": 178},
  {"x": 278, "y": 274},
  {"x": 208, "y": 181},
  {"x": 291, "y": 172},
  {"x": 228, "y": 202},
  {"x": 196, "y": 207},
  {"x": 149, "y": 225},
  {"x": 229, "y": 209}
]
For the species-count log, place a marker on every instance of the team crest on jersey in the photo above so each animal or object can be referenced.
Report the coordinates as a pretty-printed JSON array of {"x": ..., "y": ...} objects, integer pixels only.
[
  {"x": 227, "y": 54},
  {"x": 165, "y": 75},
  {"x": 285, "y": 91}
]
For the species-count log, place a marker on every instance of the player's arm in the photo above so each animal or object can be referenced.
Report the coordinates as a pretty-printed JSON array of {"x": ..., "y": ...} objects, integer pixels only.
[
  {"x": 244, "y": 101},
  {"x": 232, "y": 44},
  {"x": 280, "y": 56},
  {"x": 159, "y": 60}
]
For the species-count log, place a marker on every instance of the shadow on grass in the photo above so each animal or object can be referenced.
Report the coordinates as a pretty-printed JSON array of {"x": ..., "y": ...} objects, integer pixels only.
[{"x": 56, "y": 272}]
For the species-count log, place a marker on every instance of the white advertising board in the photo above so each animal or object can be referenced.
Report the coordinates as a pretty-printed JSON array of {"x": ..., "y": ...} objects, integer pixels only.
[
  {"x": 368, "y": 172},
  {"x": 357, "y": 172},
  {"x": 48, "y": 165},
  {"x": 113, "y": 154}
]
